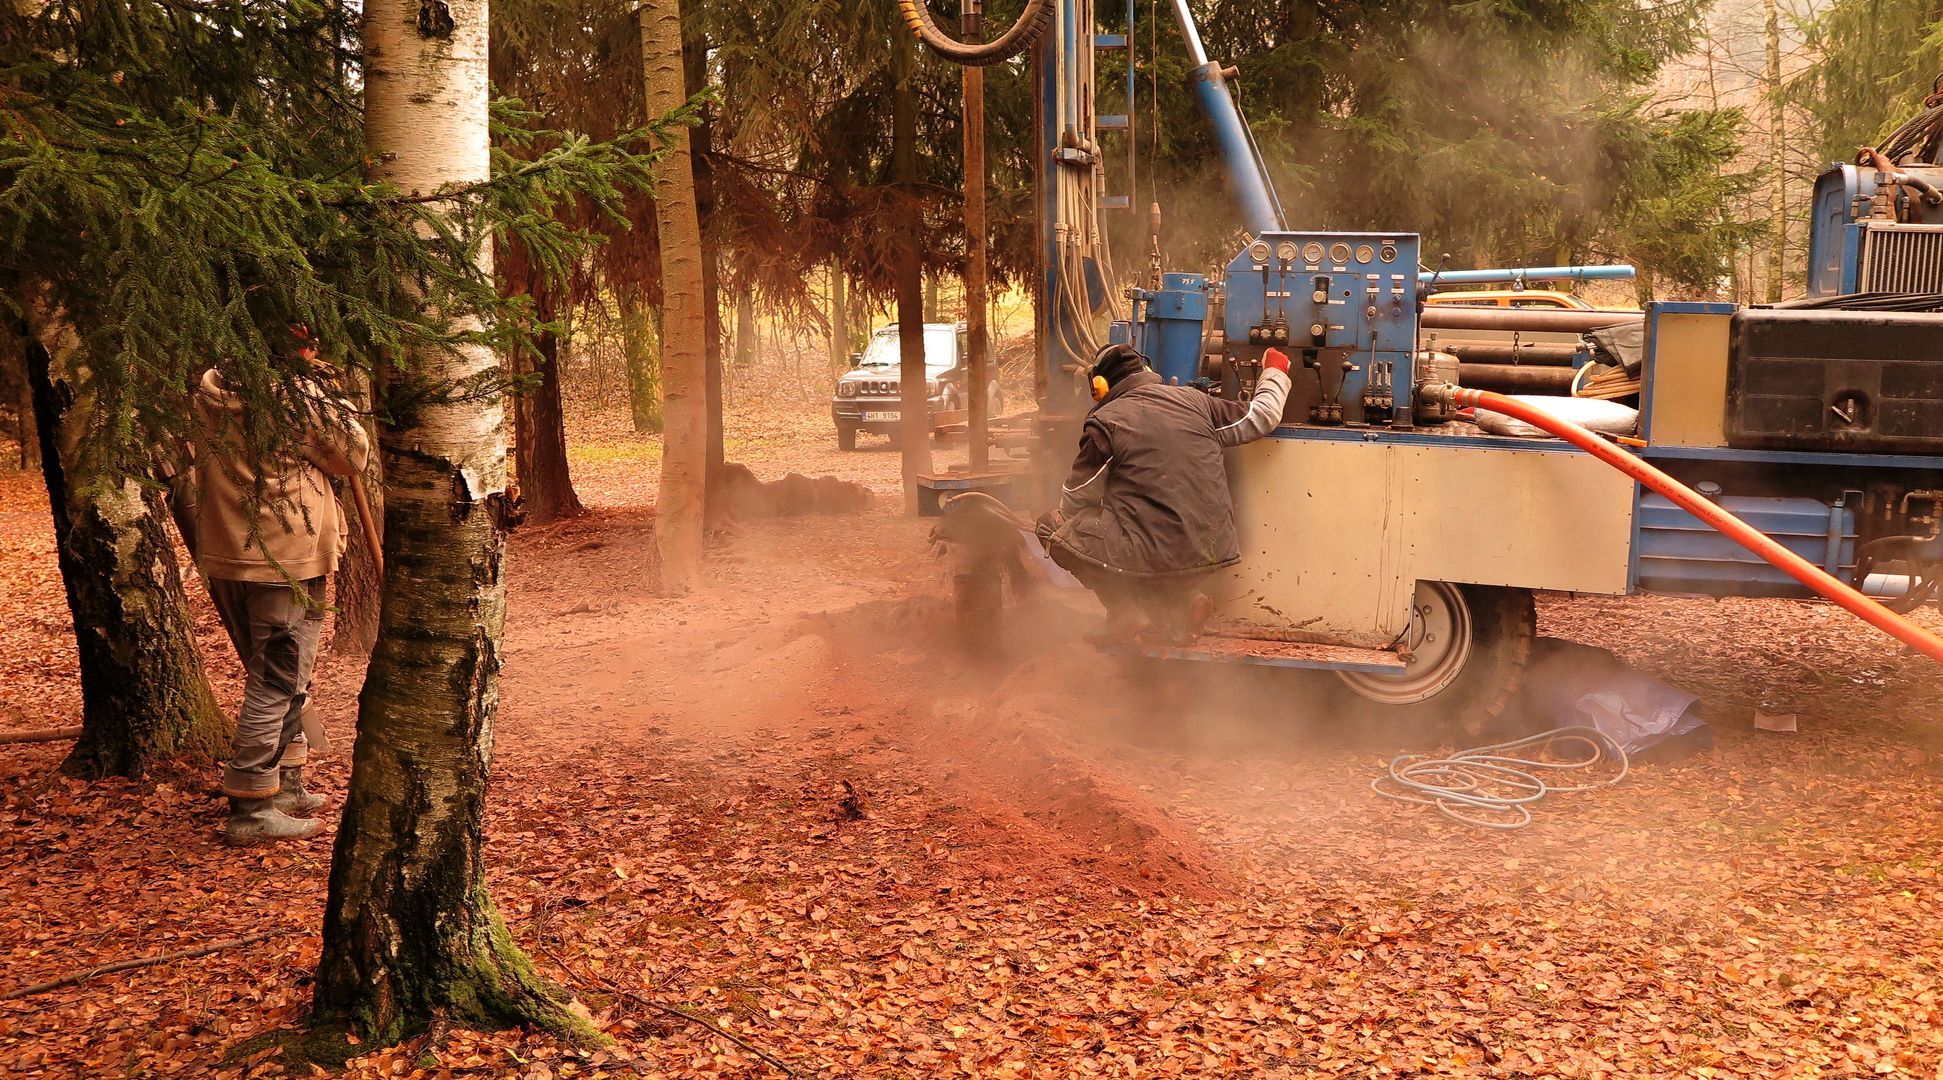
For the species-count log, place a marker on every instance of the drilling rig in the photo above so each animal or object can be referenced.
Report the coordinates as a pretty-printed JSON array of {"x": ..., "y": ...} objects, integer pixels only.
[{"x": 1391, "y": 537}]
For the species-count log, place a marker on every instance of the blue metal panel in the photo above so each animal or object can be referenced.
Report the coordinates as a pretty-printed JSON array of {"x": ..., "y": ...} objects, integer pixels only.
[
  {"x": 1677, "y": 553},
  {"x": 1834, "y": 249},
  {"x": 1111, "y": 122},
  {"x": 1109, "y": 41},
  {"x": 1794, "y": 457},
  {"x": 1176, "y": 318},
  {"x": 1368, "y": 314}
]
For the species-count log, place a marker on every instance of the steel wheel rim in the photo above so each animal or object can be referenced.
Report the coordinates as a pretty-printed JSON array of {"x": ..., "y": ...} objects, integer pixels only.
[{"x": 1441, "y": 637}]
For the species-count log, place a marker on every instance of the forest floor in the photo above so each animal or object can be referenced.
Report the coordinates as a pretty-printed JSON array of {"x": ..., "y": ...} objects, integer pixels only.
[{"x": 787, "y": 806}]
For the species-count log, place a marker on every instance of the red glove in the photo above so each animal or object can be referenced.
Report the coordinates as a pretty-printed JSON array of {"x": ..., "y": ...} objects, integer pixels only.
[{"x": 1275, "y": 359}]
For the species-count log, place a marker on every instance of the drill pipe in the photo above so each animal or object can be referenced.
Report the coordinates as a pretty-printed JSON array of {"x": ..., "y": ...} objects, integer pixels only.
[
  {"x": 1516, "y": 378},
  {"x": 1570, "y": 321},
  {"x": 1510, "y": 352}
]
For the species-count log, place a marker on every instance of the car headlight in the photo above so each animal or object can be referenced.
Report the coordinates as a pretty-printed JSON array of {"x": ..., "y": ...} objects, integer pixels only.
[{"x": 846, "y": 389}]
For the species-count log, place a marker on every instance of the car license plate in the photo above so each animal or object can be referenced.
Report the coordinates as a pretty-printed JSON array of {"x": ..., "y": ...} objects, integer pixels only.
[{"x": 872, "y": 416}]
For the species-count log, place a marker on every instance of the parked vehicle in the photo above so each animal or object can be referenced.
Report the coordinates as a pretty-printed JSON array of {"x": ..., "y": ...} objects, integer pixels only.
[
  {"x": 1508, "y": 298},
  {"x": 868, "y": 397}
]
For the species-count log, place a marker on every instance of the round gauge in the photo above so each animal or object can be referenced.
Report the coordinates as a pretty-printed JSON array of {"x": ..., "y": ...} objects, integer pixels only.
[
  {"x": 1258, "y": 251},
  {"x": 1285, "y": 251},
  {"x": 1339, "y": 252},
  {"x": 1313, "y": 252},
  {"x": 1365, "y": 253},
  {"x": 1389, "y": 253}
]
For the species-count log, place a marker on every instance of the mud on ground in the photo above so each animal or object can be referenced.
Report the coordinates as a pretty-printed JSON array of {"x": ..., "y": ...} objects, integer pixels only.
[{"x": 787, "y": 805}]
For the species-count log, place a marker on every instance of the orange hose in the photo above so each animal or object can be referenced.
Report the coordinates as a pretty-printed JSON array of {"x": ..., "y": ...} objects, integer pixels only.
[{"x": 1824, "y": 583}]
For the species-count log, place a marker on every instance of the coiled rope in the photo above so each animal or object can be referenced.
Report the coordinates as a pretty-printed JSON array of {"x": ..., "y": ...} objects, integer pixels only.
[{"x": 1494, "y": 787}]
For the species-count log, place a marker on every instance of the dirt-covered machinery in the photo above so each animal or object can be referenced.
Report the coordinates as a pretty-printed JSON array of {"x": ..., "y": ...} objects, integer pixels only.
[{"x": 1409, "y": 534}]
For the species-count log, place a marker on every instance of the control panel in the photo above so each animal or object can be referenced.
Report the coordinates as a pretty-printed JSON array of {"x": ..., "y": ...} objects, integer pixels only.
[{"x": 1343, "y": 306}]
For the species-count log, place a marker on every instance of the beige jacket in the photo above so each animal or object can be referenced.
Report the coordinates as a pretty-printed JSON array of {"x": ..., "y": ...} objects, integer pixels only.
[{"x": 299, "y": 528}]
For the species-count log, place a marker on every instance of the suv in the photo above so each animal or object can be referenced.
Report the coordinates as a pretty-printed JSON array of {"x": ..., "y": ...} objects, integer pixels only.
[{"x": 867, "y": 396}]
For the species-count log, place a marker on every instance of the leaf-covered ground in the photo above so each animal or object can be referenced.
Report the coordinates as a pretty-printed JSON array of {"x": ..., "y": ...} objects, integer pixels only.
[{"x": 781, "y": 824}]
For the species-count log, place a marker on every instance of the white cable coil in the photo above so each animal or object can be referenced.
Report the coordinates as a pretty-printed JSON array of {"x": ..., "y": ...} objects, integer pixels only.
[{"x": 1493, "y": 787}]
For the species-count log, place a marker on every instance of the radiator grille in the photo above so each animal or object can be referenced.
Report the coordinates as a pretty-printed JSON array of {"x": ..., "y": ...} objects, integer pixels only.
[{"x": 1902, "y": 259}]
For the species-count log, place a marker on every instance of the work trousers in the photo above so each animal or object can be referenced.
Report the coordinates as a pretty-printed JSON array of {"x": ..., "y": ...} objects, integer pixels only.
[
  {"x": 1163, "y": 599},
  {"x": 275, "y": 634}
]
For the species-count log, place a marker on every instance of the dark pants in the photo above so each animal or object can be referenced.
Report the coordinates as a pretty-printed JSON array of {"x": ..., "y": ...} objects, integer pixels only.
[
  {"x": 1162, "y": 599},
  {"x": 275, "y": 635}
]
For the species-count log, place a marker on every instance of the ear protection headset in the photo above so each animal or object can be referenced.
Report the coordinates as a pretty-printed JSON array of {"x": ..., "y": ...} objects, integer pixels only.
[{"x": 1100, "y": 388}]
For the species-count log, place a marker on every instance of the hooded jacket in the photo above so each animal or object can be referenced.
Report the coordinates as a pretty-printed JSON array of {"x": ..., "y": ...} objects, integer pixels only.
[
  {"x": 299, "y": 529},
  {"x": 1148, "y": 494}
]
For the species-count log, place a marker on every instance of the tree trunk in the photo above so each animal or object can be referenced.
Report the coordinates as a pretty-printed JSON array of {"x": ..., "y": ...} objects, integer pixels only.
[
  {"x": 839, "y": 322},
  {"x": 694, "y": 70},
  {"x": 641, "y": 341},
  {"x": 20, "y": 393},
  {"x": 409, "y": 931},
  {"x": 143, "y": 694},
  {"x": 745, "y": 328},
  {"x": 540, "y": 429},
  {"x": 680, "y": 506},
  {"x": 1777, "y": 133},
  {"x": 914, "y": 414},
  {"x": 977, "y": 337},
  {"x": 933, "y": 311}
]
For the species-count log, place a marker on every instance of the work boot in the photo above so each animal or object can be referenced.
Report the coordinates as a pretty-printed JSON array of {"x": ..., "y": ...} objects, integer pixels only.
[
  {"x": 258, "y": 821},
  {"x": 291, "y": 798}
]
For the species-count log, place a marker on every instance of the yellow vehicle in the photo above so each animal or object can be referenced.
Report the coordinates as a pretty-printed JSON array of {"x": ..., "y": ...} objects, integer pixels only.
[{"x": 1508, "y": 298}]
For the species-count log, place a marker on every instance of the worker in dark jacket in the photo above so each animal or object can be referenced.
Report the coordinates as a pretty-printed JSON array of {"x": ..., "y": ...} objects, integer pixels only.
[{"x": 1146, "y": 515}]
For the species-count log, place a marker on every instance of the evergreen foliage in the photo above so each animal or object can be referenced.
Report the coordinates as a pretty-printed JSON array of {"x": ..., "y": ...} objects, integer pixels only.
[
  {"x": 1876, "y": 60},
  {"x": 183, "y": 182}
]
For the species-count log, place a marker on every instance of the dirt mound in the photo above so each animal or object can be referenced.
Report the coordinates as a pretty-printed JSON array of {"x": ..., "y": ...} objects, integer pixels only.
[{"x": 795, "y": 495}]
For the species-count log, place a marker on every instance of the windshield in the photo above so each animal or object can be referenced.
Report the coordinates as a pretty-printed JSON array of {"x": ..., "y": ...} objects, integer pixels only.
[{"x": 939, "y": 349}]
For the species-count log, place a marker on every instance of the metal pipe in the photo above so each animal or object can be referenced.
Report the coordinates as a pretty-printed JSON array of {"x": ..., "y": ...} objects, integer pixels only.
[
  {"x": 1242, "y": 164},
  {"x": 1535, "y": 320},
  {"x": 1514, "y": 275},
  {"x": 1516, "y": 378},
  {"x": 1195, "y": 50},
  {"x": 1543, "y": 354}
]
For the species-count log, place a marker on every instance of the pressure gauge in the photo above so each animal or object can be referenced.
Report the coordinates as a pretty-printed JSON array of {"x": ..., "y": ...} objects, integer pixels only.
[
  {"x": 1258, "y": 251},
  {"x": 1365, "y": 253},
  {"x": 1312, "y": 253},
  {"x": 1389, "y": 252},
  {"x": 1339, "y": 252},
  {"x": 1285, "y": 251}
]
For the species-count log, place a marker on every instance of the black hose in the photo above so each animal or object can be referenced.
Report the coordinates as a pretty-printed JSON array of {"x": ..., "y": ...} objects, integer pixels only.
[{"x": 1031, "y": 23}]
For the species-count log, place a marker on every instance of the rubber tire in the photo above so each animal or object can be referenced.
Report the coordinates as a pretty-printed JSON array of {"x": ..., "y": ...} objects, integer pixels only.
[
  {"x": 846, "y": 437},
  {"x": 1504, "y": 623}
]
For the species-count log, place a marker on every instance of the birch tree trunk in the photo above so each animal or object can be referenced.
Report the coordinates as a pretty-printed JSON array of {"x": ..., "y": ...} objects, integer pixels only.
[
  {"x": 144, "y": 697},
  {"x": 409, "y": 931},
  {"x": 679, "y": 507}
]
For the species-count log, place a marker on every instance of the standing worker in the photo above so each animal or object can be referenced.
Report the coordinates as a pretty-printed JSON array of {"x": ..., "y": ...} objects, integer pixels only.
[
  {"x": 268, "y": 533},
  {"x": 1146, "y": 515}
]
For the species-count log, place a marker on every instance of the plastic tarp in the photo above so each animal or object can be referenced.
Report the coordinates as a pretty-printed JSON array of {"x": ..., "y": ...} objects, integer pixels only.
[
  {"x": 1606, "y": 417},
  {"x": 1620, "y": 345},
  {"x": 1569, "y": 684}
]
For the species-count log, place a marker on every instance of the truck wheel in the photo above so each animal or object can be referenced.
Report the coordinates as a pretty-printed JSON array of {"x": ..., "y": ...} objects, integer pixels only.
[
  {"x": 1470, "y": 645},
  {"x": 846, "y": 437}
]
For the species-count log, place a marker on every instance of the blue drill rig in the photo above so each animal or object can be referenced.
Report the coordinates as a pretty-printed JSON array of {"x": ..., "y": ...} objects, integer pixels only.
[{"x": 1390, "y": 538}]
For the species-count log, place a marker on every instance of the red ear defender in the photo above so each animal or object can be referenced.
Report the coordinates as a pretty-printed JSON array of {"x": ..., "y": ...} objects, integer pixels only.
[{"x": 1100, "y": 388}]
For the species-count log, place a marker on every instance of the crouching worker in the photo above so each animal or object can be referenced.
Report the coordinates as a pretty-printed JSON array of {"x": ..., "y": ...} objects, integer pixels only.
[
  {"x": 1146, "y": 515},
  {"x": 260, "y": 527}
]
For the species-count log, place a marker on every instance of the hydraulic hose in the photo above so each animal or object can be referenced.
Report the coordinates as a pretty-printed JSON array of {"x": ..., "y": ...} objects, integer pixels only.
[
  {"x": 1031, "y": 23},
  {"x": 1814, "y": 577}
]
